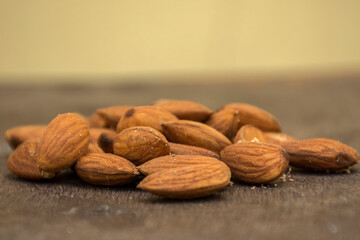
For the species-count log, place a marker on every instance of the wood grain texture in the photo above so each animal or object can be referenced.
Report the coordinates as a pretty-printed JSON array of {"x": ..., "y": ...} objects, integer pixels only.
[{"x": 314, "y": 206}]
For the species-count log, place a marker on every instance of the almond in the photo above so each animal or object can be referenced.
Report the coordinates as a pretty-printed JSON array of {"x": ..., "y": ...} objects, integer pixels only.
[
  {"x": 278, "y": 138},
  {"x": 112, "y": 115},
  {"x": 321, "y": 154},
  {"x": 255, "y": 116},
  {"x": 174, "y": 161},
  {"x": 96, "y": 132},
  {"x": 94, "y": 148},
  {"x": 182, "y": 149},
  {"x": 254, "y": 162},
  {"x": 186, "y": 110},
  {"x": 249, "y": 133},
  {"x": 140, "y": 144},
  {"x": 195, "y": 134},
  {"x": 64, "y": 141},
  {"x": 226, "y": 121},
  {"x": 22, "y": 162},
  {"x": 145, "y": 116},
  {"x": 17, "y": 135},
  {"x": 95, "y": 121},
  {"x": 106, "y": 142},
  {"x": 105, "y": 169},
  {"x": 187, "y": 182}
]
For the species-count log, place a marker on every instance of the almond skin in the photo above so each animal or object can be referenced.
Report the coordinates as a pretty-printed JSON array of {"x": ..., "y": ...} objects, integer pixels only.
[
  {"x": 96, "y": 132},
  {"x": 195, "y": 134},
  {"x": 112, "y": 115},
  {"x": 22, "y": 162},
  {"x": 249, "y": 133},
  {"x": 255, "y": 116},
  {"x": 187, "y": 182},
  {"x": 95, "y": 121},
  {"x": 17, "y": 135},
  {"x": 321, "y": 154},
  {"x": 185, "y": 110},
  {"x": 140, "y": 144},
  {"x": 278, "y": 138},
  {"x": 175, "y": 161},
  {"x": 64, "y": 141},
  {"x": 94, "y": 148},
  {"x": 105, "y": 169},
  {"x": 226, "y": 121},
  {"x": 145, "y": 116},
  {"x": 254, "y": 162},
  {"x": 182, "y": 149}
]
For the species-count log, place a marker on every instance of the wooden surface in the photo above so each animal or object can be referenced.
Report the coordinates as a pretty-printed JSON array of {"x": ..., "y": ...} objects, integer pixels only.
[{"x": 313, "y": 206}]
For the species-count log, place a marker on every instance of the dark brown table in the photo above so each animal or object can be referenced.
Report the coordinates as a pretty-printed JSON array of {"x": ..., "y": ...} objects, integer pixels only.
[{"x": 313, "y": 206}]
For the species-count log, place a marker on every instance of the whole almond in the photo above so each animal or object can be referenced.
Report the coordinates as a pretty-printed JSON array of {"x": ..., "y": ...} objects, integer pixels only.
[
  {"x": 321, "y": 154},
  {"x": 112, "y": 115},
  {"x": 254, "y": 162},
  {"x": 226, "y": 121},
  {"x": 105, "y": 169},
  {"x": 187, "y": 182},
  {"x": 182, "y": 149},
  {"x": 140, "y": 144},
  {"x": 278, "y": 138},
  {"x": 195, "y": 134},
  {"x": 255, "y": 116},
  {"x": 106, "y": 142},
  {"x": 185, "y": 110},
  {"x": 249, "y": 133},
  {"x": 17, "y": 135},
  {"x": 22, "y": 162},
  {"x": 64, "y": 141},
  {"x": 175, "y": 161},
  {"x": 145, "y": 116}
]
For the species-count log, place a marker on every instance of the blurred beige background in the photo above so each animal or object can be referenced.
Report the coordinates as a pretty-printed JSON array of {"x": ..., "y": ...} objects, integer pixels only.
[{"x": 80, "y": 39}]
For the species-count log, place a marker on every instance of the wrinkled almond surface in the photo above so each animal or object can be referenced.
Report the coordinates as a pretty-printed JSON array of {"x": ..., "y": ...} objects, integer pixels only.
[
  {"x": 226, "y": 121},
  {"x": 145, "y": 116},
  {"x": 105, "y": 169},
  {"x": 255, "y": 116},
  {"x": 187, "y": 182},
  {"x": 186, "y": 110},
  {"x": 254, "y": 162},
  {"x": 321, "y": 154},
  {"x": 22, "y": 161},
  {"x": 140, "y": 144},
  {"x": 64, "y": 141},
  {"x": 278, "y": 138},
  {"x": 182, "y": 149},
  {"x": 17, "y": 135},
  {"x": 195, "y": 134},
  {"x": 174, "y": 161}
]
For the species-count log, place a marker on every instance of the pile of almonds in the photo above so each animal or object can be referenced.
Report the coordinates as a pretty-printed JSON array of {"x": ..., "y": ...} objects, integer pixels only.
[{"x": 183, "y": 148}]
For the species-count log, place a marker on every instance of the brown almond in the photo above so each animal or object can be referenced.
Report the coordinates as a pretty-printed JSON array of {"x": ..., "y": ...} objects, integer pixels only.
[
  {"x": 185, "y": 110},
  {"x": 17, "y": 135},
  {"x": 64, "y": 141},
  {"x": 96, "y": 121},
  {"x": 96, "y": 132},
  {"x": 187, "y": 182},
  {"x": 175, "y": 161},
  {"x": 182, "y": 149},
  {"x": 112, "y": 115},
  {"x": 94, "y": 148},
  {"x": 226, "y": 121},
  {"x": 278, "y": 138},
  {"x": 321, "y": 154},
  {"x": 255, "y": 116},
  {"x": 22, "y": 162},
  {"x": 254, "y": 162},
  {"x": 195, "y": 134},
  {"x": 106, "y": 142},
  {"x": 249, "y": 133},
  {"x": 140, "y": 144},
  {"x": 105, "y": 169},
  {"x": 145, "y": 116}
]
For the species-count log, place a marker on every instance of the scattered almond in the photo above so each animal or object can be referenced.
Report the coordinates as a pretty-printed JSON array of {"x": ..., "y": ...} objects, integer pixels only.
[
  {"x": 112, "y": 115},
  {"x": 182, "y": 149},
  {"x": 249, "y": 133},
  {"x": 226, "y": 121},
  {"x": 17, "y": 135}
]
